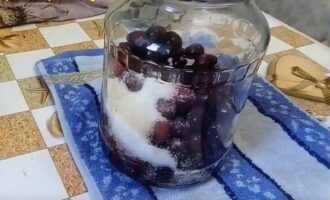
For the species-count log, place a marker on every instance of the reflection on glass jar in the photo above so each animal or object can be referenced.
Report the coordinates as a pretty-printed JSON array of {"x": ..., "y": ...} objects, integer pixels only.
[{"x": 176, "y": 77}]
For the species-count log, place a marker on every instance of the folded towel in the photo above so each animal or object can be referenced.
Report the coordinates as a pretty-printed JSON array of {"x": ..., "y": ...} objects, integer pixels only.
[{"x": 279, "y": 152}]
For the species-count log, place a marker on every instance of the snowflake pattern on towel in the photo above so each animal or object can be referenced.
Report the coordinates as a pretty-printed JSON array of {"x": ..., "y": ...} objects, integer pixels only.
[
  {"x": 246, "y": 180},
  {"x": 300, "y": 126},
  {"x": 61, "y": 66}
]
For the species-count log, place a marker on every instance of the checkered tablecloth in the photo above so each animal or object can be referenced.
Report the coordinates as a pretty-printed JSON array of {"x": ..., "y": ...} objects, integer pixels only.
[{"x": 34, "y": 164}]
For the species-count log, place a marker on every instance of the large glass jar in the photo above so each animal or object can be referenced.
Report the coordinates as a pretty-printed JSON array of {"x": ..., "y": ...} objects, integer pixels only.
[{"x": 176, "y": 76}]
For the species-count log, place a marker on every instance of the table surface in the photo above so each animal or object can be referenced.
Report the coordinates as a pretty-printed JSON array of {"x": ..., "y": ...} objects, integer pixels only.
[{"x": 33, "y": 163}]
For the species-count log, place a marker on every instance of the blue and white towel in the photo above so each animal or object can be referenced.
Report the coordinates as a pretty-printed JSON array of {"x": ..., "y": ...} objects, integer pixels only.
[{"x": 280, "y": 152}]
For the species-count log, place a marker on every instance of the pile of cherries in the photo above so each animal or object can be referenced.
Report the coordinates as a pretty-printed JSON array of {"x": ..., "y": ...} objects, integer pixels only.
[
  {"x": 165, "y": 47},
  {"x": 198, "y": 122}
]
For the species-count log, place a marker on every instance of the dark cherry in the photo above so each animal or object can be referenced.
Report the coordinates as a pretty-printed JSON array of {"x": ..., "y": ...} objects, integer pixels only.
[
  {"x": 135, "y": 64},
  {"x": 195, "y": 119},
  {"x": 190, "y": 160},
  {"x": 177, "y": 53},
  {"x": 156, "y": 33},
  {"x": 173, "y": 39},
  {"x": 164, "y": 174},
  {"x": 176, "y": 146},
  {"x": 124, "y": 46},
  {"x": 138, "y": 42},
  {"x": 194, "y": 51},
  {"x": 122, "y": 57},
  {"x": 195, "y": 143},
  {"x": 133, "y": 36},
  {"x": 213, "y": 148},
  {"x": 202, "y": 94},
  {"x": 218, "y": 98},
  {"x": 197, "y": 161},
  {"x": 185, "y": 98},
  {"x": 186, "y": 77},
  {"x": 111, "y": 141},
  {"x": 179, "y": 62},
  {"x": 215, "y": 131},
  {"x": 205, "y": 61},
  {"x": 187, "y": 132},
  {"x": 205, "y": 78},
  {"x": 179, "y": 127},
  {"x": 116, "y": 157},
  {"x": 123, "y": 50},
  {"x": 161, "y": 132},
  {"x": 180, "y": 150},
  {"x": 133, "y": 82},
  {"x": 119, "y": 69},
  {"x": 136, "y": 167},
  {"x": 158, "y": 52},
  {"x": 104, "y": 120},
  {"x": 166, "y": 107}
]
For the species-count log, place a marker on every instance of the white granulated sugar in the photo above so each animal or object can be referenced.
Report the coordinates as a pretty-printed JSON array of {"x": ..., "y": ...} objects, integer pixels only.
[
  {"x": 138, "y": 109},
  {"x": 133, "y": 115}
]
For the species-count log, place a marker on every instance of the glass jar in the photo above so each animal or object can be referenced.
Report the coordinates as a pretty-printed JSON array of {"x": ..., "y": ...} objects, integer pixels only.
[{"x": 176, "y": 77}]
